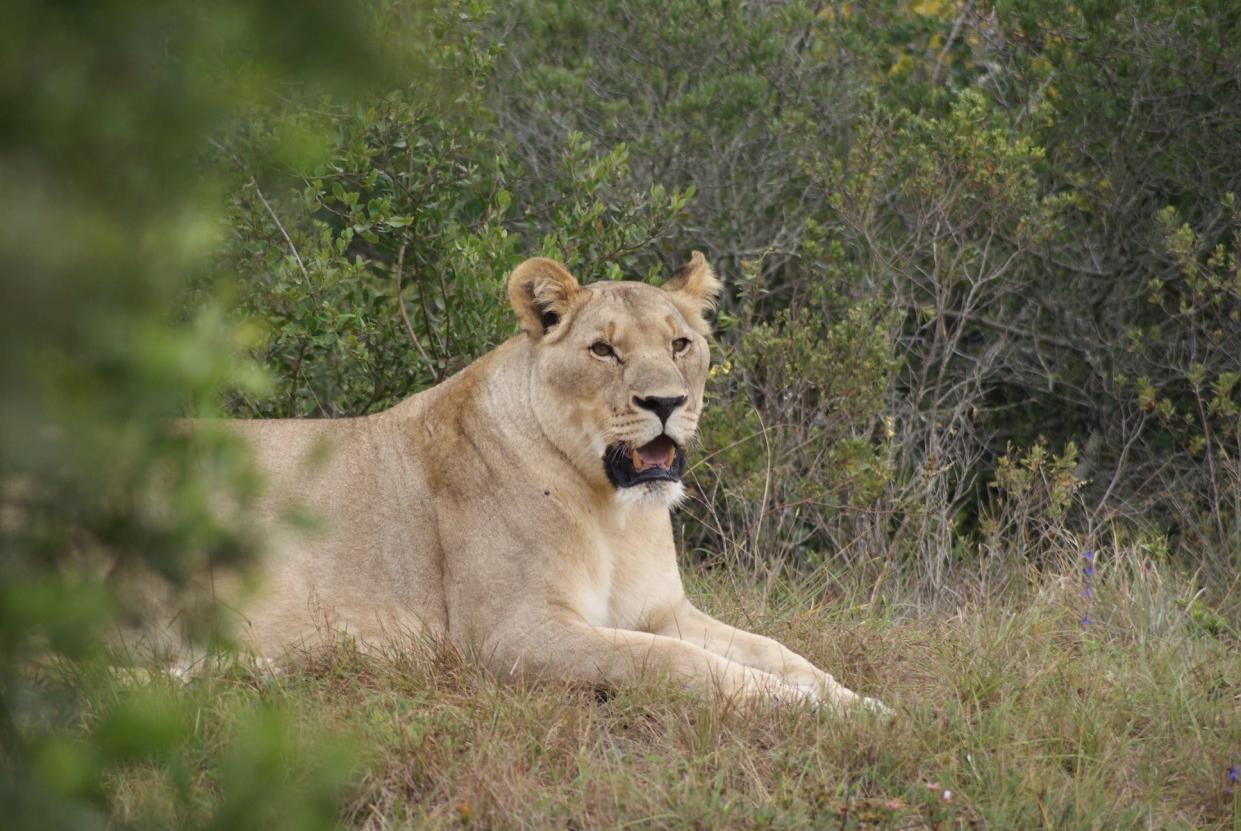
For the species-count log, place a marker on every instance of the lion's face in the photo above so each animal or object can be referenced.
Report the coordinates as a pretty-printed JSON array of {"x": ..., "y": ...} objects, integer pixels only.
[
  {"x": 629, "y": 369},
  {"x": 620, "y": 371}
]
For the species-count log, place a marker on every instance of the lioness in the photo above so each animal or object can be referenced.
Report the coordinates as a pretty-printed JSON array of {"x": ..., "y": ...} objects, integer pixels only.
[{"x": 521, "y": 509}]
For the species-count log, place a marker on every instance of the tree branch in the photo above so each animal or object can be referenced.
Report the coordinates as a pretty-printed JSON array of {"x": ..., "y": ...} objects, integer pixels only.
[{"x": 409, "y": 327}]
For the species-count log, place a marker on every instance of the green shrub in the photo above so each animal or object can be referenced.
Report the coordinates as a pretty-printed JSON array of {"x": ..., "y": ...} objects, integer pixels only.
[
  {"x": 796, "y": 454},
  {"x": 109, "y": 219},
  {"x": 962, "y": 171},
  {"x": 379, "y": 268}
]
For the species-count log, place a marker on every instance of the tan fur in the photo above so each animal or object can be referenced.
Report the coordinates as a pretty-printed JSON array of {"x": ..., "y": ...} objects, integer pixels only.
[{"x": 479, "y": 511}]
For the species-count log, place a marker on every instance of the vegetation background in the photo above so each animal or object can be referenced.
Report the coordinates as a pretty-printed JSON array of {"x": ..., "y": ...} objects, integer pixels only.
[{"x": 973, "y": 440}]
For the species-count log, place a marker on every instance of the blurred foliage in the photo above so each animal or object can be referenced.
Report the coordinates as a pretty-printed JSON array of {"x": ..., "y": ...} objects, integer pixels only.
[{"x": 109, "y": 216}]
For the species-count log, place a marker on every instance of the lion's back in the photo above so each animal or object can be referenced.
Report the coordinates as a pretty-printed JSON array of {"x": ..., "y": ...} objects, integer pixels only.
[{"x": 349, "y": 544}]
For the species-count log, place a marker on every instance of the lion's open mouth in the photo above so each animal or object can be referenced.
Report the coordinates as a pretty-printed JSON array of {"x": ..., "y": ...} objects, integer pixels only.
[{"x": 659, "y": 460}]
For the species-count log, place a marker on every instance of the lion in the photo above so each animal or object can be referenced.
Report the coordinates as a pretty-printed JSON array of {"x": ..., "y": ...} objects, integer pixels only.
[{"x": 521, "y": 509}]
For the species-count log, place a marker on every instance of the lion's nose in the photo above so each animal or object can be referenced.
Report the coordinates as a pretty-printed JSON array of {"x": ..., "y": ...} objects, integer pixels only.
[{"x": 661, "y": 407}]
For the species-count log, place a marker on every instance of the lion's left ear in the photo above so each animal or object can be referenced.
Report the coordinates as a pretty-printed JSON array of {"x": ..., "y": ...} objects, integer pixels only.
[
  {"x": 541, "y": 291},
  {"x": 694, "y": 289}
]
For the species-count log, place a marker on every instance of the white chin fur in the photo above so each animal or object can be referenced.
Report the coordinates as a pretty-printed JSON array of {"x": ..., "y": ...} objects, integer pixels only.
[{"x": 651, "y": 494}]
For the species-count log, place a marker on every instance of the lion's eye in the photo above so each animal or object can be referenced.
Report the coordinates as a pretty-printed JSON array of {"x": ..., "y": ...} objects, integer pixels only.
[
  {"x": 602, "y": 349},
  {"x": 680, "y": 345}
]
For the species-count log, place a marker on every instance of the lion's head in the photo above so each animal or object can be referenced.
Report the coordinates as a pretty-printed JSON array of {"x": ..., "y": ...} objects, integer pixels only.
[{"x": 619, "y": 370}]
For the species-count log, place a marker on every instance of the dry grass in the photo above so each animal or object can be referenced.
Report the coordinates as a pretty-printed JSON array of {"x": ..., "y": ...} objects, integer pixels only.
[{"x": 1012, "y": 715}]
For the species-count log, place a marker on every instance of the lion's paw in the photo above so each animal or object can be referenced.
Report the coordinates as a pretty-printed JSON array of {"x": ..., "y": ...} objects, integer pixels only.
[
  {"x": 878, "y": 708},
  {"x": 847, "y": 702}
]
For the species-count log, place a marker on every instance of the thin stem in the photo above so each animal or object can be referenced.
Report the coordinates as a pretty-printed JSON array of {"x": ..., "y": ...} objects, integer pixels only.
[{"x": 409, "y": 327}]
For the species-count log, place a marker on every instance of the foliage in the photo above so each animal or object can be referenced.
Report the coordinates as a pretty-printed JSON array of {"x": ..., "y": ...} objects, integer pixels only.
[
  {"x": 1137, "y": 105},
  {"x": 959, "y": 171},
  {"x": 379, "y": 269},
  {"x": 795, "y": 463},
  {"x": 106, "y": 108},
  {"x": 1029, "y": 505},
  {"x": 713, "y": 96},
  {"x": 1194, "y": 403}
]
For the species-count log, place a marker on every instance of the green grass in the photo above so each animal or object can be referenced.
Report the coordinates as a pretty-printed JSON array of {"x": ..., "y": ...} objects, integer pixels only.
[{"x": 1012, "y": 714}]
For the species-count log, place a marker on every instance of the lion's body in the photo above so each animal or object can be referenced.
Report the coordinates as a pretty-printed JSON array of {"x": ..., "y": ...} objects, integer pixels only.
[
  {"x": 519, "y": 510},
  {"x": 432, "y": 516}
]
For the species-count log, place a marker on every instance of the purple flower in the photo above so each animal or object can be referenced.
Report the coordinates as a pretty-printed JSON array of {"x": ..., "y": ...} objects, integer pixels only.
[
  {"x": 1087, "y": 574},
  {"x": 1232, "y": 775}
]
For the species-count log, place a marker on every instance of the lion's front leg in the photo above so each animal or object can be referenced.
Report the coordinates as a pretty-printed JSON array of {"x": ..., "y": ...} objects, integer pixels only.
[
  {"x": 691, "y": 625},
  {"x": 575, "y": 650}
]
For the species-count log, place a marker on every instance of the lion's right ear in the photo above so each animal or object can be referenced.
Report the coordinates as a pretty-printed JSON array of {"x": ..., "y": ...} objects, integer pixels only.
[
  {"x": 541, "y": 291},
  {"x": 694, "y": 289}
]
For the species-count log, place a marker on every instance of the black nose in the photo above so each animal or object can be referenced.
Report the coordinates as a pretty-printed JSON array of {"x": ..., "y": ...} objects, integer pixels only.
[{"x": 661, "y": 407}]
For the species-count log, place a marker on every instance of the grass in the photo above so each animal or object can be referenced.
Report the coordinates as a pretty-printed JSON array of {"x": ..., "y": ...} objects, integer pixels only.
[{"x": 1012, "y": 715}]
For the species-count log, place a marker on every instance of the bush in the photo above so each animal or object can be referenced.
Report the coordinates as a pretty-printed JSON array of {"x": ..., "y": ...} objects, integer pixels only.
[
  {"x": 109, "y": 220},
  {"x": 796, "y": 454},
  {"x": 960, "y": 172},
  {"x": 376, "y": 266}
]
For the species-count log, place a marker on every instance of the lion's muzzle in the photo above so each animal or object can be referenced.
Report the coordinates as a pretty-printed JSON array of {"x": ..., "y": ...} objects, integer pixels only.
[{"x": 659, "y": 460}]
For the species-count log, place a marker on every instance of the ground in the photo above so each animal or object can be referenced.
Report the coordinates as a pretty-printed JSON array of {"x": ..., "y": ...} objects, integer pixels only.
[{"x": 1046, "y": 709}]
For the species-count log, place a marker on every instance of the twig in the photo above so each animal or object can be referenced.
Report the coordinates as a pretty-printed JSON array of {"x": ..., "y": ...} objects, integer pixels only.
[
  {"x": 293, "y": 248},
  {"x": 1120, "y": 463},
  {"x": 241, "y": 165},
  {"x": 943, "y": 53},
  {"x": 1000, "y": 326},
  {"x": 409, "y": 327}
]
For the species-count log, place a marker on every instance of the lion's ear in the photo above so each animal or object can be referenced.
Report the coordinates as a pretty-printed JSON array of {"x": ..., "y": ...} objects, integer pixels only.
[
  {"x": 541, "y": 291},
  {"x": 694, "y": 289}
]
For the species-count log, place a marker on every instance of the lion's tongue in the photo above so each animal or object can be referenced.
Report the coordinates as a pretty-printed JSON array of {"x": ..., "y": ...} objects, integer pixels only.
[{"x": 659, "y": 453}]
